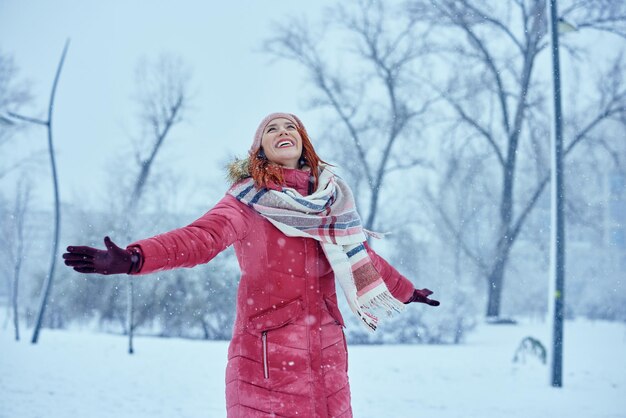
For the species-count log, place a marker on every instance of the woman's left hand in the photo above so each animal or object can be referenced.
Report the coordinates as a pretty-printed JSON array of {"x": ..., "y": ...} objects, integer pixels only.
[{"x": 421, "y": 296}]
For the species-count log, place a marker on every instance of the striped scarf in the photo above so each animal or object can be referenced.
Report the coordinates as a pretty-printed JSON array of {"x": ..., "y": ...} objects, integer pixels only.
[{"x": 330, "y": 217}]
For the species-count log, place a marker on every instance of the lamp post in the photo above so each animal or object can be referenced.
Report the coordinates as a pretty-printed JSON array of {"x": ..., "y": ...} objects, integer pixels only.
[{"x": 557, "y": 229}]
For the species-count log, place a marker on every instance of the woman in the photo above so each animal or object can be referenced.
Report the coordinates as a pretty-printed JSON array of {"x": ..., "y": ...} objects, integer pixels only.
[{"x": 295, "y": 229}]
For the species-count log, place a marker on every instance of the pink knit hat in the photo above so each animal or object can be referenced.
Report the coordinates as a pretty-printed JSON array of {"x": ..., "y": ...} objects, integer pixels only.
[{"x": 266, "y": 120}]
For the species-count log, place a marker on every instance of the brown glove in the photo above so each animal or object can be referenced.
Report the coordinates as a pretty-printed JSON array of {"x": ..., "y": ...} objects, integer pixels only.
[
  {"x": 113, "y": 260},
  {"x": 421, "y": 296}
]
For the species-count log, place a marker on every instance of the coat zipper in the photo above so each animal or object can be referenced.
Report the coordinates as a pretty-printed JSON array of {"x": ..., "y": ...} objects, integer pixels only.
[{"x": 266, "y": 373}]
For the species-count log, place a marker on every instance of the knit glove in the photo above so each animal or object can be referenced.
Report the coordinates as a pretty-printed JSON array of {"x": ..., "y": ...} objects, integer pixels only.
[
  {"x": 421, "y": 296},
  {"x": 113, "y": 260}
]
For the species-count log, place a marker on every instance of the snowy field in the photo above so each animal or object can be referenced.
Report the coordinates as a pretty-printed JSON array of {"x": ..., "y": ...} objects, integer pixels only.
[{"x": 78, "y": 374}]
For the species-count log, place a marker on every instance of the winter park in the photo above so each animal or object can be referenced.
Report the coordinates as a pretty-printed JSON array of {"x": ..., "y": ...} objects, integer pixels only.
[{"x": 360, "y": 208}]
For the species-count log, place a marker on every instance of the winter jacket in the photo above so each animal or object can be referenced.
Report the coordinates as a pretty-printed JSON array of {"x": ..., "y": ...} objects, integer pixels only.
[{"x": 288, "y": 354}]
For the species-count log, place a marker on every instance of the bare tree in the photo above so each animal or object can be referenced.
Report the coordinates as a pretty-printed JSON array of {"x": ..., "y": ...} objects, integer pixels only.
[
  {"x": 502, "y": 43},
  {"x": 14, "y": 95},
  {"x": 369, "y": 100},
  {"x": 14, "y": 247},
  {"x": 5, "y": 260},
  {"x": 163, "y": 96},
  {"x": 47, "y": 286}
]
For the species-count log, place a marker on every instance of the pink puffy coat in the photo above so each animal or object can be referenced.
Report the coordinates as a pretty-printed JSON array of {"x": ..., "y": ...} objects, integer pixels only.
[{"x": 288, "y": 355}]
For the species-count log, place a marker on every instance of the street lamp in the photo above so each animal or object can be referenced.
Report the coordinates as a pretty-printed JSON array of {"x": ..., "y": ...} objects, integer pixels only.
[{"x": 557, "y": 229}]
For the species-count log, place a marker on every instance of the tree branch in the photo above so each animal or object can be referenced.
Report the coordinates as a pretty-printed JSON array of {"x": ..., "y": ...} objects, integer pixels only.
[
  {"x": 472, "y": 122},
  {"x": 498, "y": 24},
  {"x": 28, "y": 119},
  {"x": 411, "y": 164},
  {"x": 489, "y": 61},
  {"x": 578, "y": 138},
  {"x": 456, "y": 234},
  {"x": 592, "y": 124}
]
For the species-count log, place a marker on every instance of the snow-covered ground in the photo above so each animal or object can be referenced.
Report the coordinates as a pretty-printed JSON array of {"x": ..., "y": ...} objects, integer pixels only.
[{"x": 78, "y": 374}]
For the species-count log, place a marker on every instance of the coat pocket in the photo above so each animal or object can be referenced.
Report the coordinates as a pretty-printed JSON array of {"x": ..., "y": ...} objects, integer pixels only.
[
  {"x": 272, "y": 319},
  {"x": 277, "y": 316}
]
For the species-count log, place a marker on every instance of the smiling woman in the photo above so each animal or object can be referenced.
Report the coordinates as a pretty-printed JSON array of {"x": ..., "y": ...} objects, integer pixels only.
[
  {"x": 282, "y": 142},
  {"x": 295, "y": 230}
]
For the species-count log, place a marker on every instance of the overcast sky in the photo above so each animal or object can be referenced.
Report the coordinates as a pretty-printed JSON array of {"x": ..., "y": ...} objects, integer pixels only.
[{"x": 234, "y": 85}]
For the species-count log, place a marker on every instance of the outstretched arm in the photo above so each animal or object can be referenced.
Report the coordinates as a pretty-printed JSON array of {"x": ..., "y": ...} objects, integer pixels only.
[
  {"x": 193, "y": 244},
  {"x": 196, "y": 243}
]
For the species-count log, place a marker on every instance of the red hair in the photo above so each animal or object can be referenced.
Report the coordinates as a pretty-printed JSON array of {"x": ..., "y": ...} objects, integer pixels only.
[{"x": 267, "y": 174}]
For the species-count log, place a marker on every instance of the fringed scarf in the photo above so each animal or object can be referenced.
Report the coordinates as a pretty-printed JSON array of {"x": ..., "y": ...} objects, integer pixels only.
[{"x": 330, "y": 217}]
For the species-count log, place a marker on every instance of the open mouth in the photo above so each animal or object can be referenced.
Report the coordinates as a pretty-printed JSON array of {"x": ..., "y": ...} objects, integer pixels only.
[{"x": 284, "y": 144}]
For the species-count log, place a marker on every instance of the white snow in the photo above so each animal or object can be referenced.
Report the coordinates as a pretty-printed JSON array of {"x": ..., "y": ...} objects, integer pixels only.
[{"x": 78, "y": 374}]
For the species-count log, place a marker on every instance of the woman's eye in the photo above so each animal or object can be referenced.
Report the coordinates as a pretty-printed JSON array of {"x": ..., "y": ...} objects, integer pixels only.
[
  {"x": 291, "y": 127},
  {"x": 271, "y": 129}
]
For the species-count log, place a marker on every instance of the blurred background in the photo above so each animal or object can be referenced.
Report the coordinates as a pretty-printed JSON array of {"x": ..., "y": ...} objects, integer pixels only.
[{"x": 439, "y": 115}]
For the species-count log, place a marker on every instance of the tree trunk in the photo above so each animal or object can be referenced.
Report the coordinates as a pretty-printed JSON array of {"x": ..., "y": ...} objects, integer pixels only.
[
  {"x": 16, "y": 279},
  {"x": 495, "y": 280},
  {"x": 205, "y": 329},
  {"x": 8, "y": 313}
]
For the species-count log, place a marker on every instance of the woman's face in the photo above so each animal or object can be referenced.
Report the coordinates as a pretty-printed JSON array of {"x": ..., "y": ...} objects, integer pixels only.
[{"x": 282, "y": 143}]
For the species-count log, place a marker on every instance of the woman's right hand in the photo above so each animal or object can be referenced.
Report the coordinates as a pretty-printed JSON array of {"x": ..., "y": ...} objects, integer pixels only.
[{"x": 113, "y": 260}]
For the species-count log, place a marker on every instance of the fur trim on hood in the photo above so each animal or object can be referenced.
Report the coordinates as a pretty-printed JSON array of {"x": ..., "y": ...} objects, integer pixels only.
[{"x": 238, "y": 170}]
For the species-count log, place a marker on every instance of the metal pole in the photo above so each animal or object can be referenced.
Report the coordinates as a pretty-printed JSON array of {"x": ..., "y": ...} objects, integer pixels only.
[
  {"x": 45, "y": 292},
  {"x": 557, "y": 230}
]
